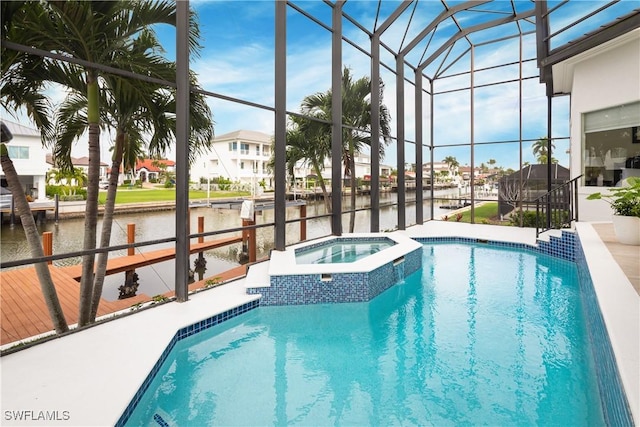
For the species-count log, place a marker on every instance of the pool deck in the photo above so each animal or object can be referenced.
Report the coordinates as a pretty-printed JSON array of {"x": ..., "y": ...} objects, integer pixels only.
[{"x": 88, "y": 378}]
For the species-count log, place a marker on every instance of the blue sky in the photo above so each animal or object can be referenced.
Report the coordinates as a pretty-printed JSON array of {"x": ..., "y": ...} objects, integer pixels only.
[{"x": 237, "y": 60}]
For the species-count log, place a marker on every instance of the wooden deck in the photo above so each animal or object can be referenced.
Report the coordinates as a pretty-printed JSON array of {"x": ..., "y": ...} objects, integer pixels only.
[
  {"x": 24, "y": 312},
  {"x": 131, "y": 262}
]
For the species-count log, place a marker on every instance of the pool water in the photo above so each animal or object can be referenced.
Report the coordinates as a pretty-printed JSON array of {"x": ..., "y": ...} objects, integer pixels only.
[
  {"x": 336, "y": 252},
  {"x": 481, "y": 335}
]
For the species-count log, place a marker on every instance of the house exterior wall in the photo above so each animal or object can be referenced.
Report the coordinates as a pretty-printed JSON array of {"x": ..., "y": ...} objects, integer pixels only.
[
  {"x": 605, "y": 77},
  {"x": 247, "y": 163},
  {"x": 253, "y": 151},
  {"x": 32, "y": 169}
]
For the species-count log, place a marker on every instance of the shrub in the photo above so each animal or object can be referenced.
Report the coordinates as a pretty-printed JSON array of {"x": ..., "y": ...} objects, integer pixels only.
[
  {"x": 65, "y": 192},
  {"x": 559, "y": 219}
]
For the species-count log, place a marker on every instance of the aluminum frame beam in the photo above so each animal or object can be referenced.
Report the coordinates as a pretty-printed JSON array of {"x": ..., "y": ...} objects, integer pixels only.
[
  {"x": 280, "y": 151},
  {"x": 400, "y": 155},
  {"x": 182, "y": 152},
  {"x": 419, "y": 153},
  {"x": 473, "y": 29},
  {"x": 375, "y": 133},
  {"x": 375, "y": 114},
  {"x": 441, "y": 17},
  {"x": 621, "y": 26},
  {"x": 336, "y": 120}
]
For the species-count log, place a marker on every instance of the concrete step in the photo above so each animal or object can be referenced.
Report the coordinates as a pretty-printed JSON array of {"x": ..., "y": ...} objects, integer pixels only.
[
  {"x": 546, "y": 236},
  {"x": 258, "y": 275}
]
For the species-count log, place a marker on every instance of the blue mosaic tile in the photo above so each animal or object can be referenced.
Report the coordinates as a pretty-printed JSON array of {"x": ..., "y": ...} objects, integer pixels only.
[
  {"x": 302, "y": 289},
  {"x": 182, "y": 333},
  {"x": 615, "y": 406},
  {"x": 560, "y": 247}
]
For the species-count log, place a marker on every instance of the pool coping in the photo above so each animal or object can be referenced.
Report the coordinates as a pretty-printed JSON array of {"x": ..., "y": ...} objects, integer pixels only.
[
  {"x": 57, "y": 376},
  {"x": 283, "y": 263}
]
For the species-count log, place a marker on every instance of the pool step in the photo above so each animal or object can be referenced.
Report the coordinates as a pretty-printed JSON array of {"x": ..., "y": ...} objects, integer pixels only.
[
  {"x": 559, "y": 243},
  {"x": 258, "y": 275},
  {"x": 547, "y": 235}
]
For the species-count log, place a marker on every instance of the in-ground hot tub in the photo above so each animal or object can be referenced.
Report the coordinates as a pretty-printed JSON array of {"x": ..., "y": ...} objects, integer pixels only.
[
  {"x": 341, "y": 250},
  {"x": 360, "y": 267}
]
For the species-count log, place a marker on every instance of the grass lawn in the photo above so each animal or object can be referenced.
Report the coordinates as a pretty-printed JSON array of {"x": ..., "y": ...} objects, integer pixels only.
[
  {"x": 138, "y": 195},
  {"x": 487, "y": 213}
]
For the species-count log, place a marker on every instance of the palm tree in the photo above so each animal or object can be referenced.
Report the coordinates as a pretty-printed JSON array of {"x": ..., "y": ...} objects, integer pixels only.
[
  {"x": 153, "y": 111},
  {"x": 356, "y": 121},
  {"x": 31, "y": 232},
  {"x": 452, "y": 163},
  {"x": 135, "y": 110},
  {"x": 76, "y": 177},
  {"x": 540, "y": 150},
  {"x": 21, "y": 82},
  {"x": 309, "y": 140},
  {"x": 319, "y": 148},
  {"x": 105, "y": 37},
  {"x": 20, "y": 86}
]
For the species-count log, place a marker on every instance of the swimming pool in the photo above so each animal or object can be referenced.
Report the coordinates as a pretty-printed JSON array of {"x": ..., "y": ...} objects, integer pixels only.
[
  {"x": 453, "y": 342},
  {"x": 341, "y": 250}
]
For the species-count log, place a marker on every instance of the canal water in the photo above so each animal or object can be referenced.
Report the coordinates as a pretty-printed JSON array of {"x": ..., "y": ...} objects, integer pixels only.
[{"x": 159, "y": 278}]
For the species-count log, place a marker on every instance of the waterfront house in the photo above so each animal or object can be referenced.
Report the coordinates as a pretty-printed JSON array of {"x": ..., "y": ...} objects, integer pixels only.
[
  {"x": 604, "y": 85},
  {"x": 152, "y": 170},
  {"x": 28, "y": 156},
  {"x": 241, "y": 156},
  {"x": 79, "y": 163}
]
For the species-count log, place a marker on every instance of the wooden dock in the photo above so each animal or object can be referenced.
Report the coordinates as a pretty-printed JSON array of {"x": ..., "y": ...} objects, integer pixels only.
[
  {"x": 132, "y": 262},
  {"x": 23, "y": 310}
]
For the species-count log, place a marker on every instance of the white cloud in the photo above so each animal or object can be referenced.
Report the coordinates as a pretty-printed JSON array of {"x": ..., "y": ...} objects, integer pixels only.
[{"x": 240, "y": 64}]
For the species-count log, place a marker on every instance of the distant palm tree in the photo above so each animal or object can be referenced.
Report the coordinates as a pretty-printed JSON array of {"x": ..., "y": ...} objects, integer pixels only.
[
  {"x": 452, "y": 163},
  {"x": 310, "y": 141},
  {"x": 540, "y": 150},
  {"x": 76, "y": 177}
]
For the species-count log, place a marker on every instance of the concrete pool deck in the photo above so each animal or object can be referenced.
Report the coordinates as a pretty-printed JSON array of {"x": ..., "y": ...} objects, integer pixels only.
[{"x": 89, "y": 378}]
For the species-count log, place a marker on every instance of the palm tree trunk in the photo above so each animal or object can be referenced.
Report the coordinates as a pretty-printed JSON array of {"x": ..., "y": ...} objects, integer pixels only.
[
  {"x": 35, "y": 244},
  {"x": 91, "y": 209},
  {"x": 323, "y": 185},
  {"x": 107, "y": 222},
  {"x": 352, "y": 166}
]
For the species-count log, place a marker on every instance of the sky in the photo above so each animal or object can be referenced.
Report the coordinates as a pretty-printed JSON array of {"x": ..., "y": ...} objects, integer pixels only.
[{"x": 237, "y": 60}]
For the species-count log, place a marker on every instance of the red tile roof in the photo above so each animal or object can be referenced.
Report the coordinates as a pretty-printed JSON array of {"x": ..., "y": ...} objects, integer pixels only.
[{"x": 150, "y": 164}]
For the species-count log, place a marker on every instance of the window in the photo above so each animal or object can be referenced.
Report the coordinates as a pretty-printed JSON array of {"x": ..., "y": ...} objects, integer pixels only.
[
  {"x": 241, "y": 165},
  {"x": 244, "y": 148},
  {"x": 257, "y": 150},
  {"x": 17, "y": 152},
  {"x": 611, "y": 145},
  {"x": 233, "y": 146}
]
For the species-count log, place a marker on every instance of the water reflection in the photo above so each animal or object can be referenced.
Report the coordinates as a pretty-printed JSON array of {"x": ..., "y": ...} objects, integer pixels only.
[{"x": 159, "y": 278}]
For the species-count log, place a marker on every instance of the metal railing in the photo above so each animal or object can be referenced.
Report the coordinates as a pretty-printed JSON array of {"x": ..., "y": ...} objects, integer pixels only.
[{"x": 558, "y": 208}]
